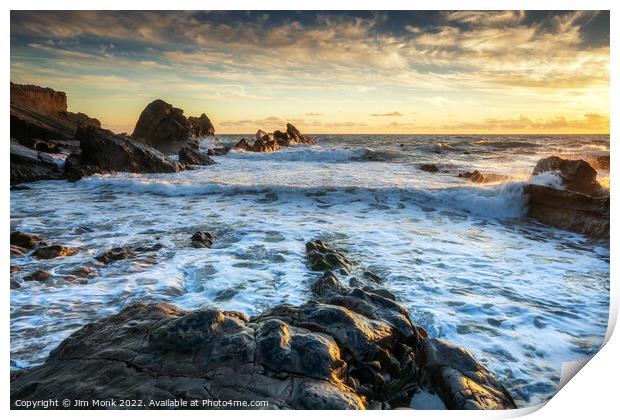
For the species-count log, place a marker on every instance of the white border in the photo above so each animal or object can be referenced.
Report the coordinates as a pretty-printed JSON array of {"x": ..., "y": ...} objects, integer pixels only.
[{"x": 592, "y": 395}]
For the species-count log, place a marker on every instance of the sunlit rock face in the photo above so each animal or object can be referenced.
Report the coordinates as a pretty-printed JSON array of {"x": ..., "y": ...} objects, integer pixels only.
[{"x": 164, "y": 126}]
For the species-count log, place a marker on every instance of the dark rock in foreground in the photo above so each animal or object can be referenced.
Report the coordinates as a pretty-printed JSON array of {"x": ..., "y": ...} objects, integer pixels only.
[
  {"x": 123, "y": 252},
  {"x": 24, "y": 240},
  {"x": 53, "y": 251},
  {"x": 354, "y": 348},
  {"x": 165, "y": 128},
  {"x": 576, "y": 175},
  {"x": 104, "y": 151},
  {"x": 569, "y": 210}
]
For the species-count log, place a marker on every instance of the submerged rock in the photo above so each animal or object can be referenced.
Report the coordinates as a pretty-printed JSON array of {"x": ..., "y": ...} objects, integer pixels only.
[
  {"x": 39, "y": 275},
  {"x": 53, "y": 251},
  {"x": 202, "y": 239},
  {"x": 322, "y": 258},
  {"x": 429, "y": 167},
  {"x": 104, "y": 151},
  {"x": 123, "y": 252},
  {"x": 576, "y": 175},
  {"x": 24, "y": 240}
]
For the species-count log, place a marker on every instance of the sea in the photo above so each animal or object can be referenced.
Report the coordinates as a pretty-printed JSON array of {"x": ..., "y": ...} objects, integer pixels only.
[{"x": 471, "y": 268}]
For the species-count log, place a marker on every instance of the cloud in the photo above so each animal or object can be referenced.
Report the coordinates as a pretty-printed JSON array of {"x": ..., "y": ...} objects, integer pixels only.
[
  {"x": 589, "y": 122},
  {"x": 388, "y": 114}
]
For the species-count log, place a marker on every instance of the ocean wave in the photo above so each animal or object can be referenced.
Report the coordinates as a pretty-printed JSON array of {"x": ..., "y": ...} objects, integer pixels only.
[
  {"x": 306, "y": 154},
  {"x": 505, "y": 201}
]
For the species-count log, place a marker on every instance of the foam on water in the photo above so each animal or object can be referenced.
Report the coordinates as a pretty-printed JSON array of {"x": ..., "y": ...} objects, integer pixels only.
[{"x": 524, "y": 298}]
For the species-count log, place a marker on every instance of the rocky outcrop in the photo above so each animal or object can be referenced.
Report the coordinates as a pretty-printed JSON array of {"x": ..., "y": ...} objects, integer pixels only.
[
  {"x": 576, "y": 175},
  {"x": 104, "y": 151},
  {"x": 322, "y": 258},
  {"x": 582, "y": 207},
  {"x": 124, "y": 252},
  {"x": 41, "y": 113},
  {"x": 29, "y": 165},
  {"x": 191, "y": 155},
  {"x": 165, "y": 128},
  {"x": 272, "y": 142},
  {"x": 200, "y": 126},
  {"x": 48, "y": 252},
  {"x": 569, "y": 210}
]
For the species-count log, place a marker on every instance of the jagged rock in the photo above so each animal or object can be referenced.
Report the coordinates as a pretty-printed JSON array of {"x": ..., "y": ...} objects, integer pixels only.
[
  {"x": 24, "y": 240},
  {"x": 265, "y": 144},
  {"x": 29, "y": 165},
  {"x": 569, "y": 210},
  {"x": 165, "y": 128},
  {"x": 200, "y": 126},
  {"x": 202, "y": 240},
  {"x": 41, "y": 113},
  {"x": 244, "y": 145},
  {"x": 123, "y": 252},
  {"x": 53, "y": 251},
  {"x": 460, "y": 381},
  {"x": 39, "y": 275},
  {"x": 576, "y": 175},
  {"x": 157, "y": 351},
  {"x": 321, "y": 258},
  {"x": 191, "y": 156},
  {"x": 218, "y": 151},
  {"x": 104, "y": 151},
  {"x": 429, "y": 167},
  {"x": 352, "y": 349}
]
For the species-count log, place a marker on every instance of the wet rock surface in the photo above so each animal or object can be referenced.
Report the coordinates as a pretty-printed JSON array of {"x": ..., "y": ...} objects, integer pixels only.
[
  {"x": 190, "y": 155},
  {"x": 322, "y": 258},
  {"x": 24, "y": 240},
  {"x": 124, "y": 252},
  {"x": 53, "y": 251},
  {"x": 582, "y": 207},
  {"x": 104, "y": 151},
  {"x": 272, "y": 142},
  {"x": 480, "y": 178},
  {"x": 352, "y": 348},
  {"x": 202, "y": 239},
  {"x": 576, "y": 175},
  {"x": 28, "y": 165},
  {"x": 429, "y": 167},
  {"x": 569, "y": 210}
]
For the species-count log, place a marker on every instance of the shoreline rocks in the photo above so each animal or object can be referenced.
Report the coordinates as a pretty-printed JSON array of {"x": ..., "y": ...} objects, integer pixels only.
[
  {"x": 353, "y": 348},
  {"x": 190, "y": 155},
  {"x": 104, "y": 151},
  {"x": 570, "y": 209}
]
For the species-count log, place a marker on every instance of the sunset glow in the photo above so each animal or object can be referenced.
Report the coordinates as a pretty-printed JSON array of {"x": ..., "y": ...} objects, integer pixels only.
[{"x": 327, "y": 72}]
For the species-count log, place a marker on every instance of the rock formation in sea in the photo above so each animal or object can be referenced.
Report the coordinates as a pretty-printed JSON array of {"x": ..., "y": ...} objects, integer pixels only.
[
  {"x": 582, "y": 206},
  {"x": 165, "y": 128},
  {"x": 353, "y": 347},
  {"x": 272, "y": 142},
  {"x": 103, "y": 151},
  {"x": 191, "y": 155}
]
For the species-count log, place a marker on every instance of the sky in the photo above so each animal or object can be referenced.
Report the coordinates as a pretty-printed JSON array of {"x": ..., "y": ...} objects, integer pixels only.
[{"x": 399, "y": 72}]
